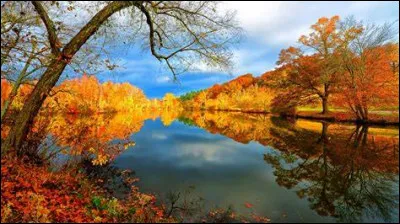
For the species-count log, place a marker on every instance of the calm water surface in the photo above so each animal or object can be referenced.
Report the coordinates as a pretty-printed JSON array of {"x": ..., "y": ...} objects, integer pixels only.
[
  {"x": 284, "y": 185},
  {"x": 287, "y": 170}
]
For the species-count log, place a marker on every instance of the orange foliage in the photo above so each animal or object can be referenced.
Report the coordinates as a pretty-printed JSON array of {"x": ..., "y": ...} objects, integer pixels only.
[
  {"x": 5, "y": 91},
  {"x": 324, "y": 36},
  {"x": 31, "y": 193},
  {"x": 374, "y": 84},
  {"x": 88, "y": 95},
  {"x": 85, "y": 95},
  {"x": 245, "y": 93},
  {"x": 18, "y": 101},
  {"x": 242, "y": 81}
]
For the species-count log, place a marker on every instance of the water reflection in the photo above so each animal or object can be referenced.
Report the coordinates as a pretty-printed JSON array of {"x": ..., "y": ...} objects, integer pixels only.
[
  {"x": 345, "y": 172},
  {"x": 103, "y": 136}
]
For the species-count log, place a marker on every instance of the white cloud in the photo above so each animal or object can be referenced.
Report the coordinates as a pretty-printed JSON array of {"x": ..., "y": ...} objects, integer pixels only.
[
  {"x": 207, "y": 153},
  {"x": 251, "y": 61},
  {"x": 268, "y": 27},
  {"x": 283, "y": 22},
  {"x": 271, "y": 26},
  {"x": 159, "y": 136},
  {"x": 163, "y": 79}
]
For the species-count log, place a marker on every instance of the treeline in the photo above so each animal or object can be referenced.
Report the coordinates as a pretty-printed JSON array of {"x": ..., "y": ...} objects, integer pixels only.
[
  {"x": 342, "y": 63},
  {"x": 245, "y": 93},
  {"x": 190, "y": 95},
  {"x": 87, "y": 95}
]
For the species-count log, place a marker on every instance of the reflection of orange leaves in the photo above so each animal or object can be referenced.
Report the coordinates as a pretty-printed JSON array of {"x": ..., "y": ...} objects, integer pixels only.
[
  {"x": 260, "y": 219},
  {"x": 248, "y": 205}
]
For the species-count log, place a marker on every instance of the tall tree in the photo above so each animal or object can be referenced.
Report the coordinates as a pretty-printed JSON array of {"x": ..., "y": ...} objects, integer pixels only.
[
  {"x": 369, "y": 62},
  {"x": 23, "y": 52},
  {"x": 314, "y": 75},
  {"x": 324, "y": 41},
  {"x": 175, "y": 32},
  {"x": 300, "y": 77}
]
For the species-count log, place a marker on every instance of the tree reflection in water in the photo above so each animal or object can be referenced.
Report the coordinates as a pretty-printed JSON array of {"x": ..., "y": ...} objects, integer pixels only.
[
  {"x": 342, "y": 170},
  {"x": 345, "y": 171},
  {"x": 346, "y": 174},
  {"x": 99, "y": 137}
]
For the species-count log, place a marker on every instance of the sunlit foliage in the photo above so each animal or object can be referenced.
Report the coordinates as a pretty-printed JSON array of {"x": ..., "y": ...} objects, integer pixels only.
[
  {"x": 349, "y": 64},
  {"x": 344, "y": 171},
  {"x": 88, "y": 95},
  {"x": 245, "y": 93}
]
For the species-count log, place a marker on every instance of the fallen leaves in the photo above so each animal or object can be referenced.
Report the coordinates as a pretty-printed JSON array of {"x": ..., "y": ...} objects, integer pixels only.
[
  {"x": 31, "y": 193},
  {"x": 248, "y": 205}
]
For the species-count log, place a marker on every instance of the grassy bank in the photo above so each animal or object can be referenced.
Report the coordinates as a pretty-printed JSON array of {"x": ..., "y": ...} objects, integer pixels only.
[{"x": 375, "y": 117}]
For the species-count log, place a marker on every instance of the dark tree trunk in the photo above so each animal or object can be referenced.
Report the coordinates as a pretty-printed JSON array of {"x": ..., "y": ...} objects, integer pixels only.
[
  {"x": 31, "y": 108},
  {"x": 325, "y": 107},
  {"x": 324, "y": 133}
]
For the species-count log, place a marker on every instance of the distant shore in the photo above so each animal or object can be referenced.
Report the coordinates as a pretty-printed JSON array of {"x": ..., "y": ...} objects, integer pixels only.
[{"x": 382, "y": 118}]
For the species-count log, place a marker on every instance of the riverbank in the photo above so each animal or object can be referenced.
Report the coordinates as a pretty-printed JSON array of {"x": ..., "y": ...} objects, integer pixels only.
[
  {"x": 380, "y": 118},
  {"x": 37, "y": 193},
  {"x": 83, "y": 193},
  {"x": 375, "y": 118}
]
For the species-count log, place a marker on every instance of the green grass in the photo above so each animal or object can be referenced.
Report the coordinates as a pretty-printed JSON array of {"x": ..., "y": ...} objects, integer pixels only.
[{"x": 318, "y": 109}]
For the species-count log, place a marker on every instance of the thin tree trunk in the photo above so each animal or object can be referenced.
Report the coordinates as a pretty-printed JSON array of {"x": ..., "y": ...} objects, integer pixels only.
[
  {"x": 325, "y": 109},
  {"x": 7, "y": 52},
  {"x": 16, "y": 86},
  {"x": 9, "y": 101},
  {"x": 360, "y": 112},
  {"x": 365, "y": 107}
]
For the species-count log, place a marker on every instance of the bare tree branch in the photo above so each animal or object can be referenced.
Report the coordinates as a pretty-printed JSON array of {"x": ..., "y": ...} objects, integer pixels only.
[{"x": 51, "y": 30}]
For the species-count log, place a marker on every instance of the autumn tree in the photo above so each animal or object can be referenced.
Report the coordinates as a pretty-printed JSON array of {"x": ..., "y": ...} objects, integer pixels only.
[
  {"x": 23, "y": 51},
  {"x": 299, "y": 79},
  {"x": 201, "y": 99},
  {"x": 175, "y": 31},
  {"x": 26, "y": 51},
  {"x": 314, "y": 75},
  {"x": 369, "y": 63},
  {"x": 244, "y": 93},
  {"x": 170, "y": 102}
]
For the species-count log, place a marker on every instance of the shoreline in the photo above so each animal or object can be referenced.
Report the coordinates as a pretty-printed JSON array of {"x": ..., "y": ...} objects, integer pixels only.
[
  {"x": 317, "y": 117},
  {"x": 348, "y": 121}
]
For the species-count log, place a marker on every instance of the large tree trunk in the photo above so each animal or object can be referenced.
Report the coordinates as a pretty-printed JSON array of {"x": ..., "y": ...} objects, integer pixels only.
[
  {"x": 31, "y": 108},
  {"x": 325, "y": 107},
  {"x": 24, "y": 120}
]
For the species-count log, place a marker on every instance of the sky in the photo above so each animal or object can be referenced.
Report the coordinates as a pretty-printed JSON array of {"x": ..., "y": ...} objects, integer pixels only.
[{"x": 268, "y": 28}]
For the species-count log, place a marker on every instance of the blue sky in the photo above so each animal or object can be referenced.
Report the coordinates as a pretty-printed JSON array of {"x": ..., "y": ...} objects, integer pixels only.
[{"x": 268, "y": 26}]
